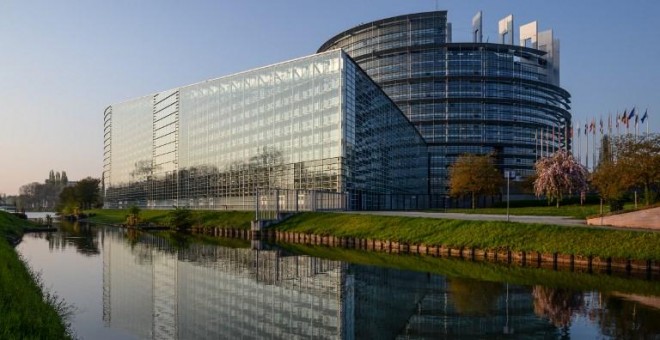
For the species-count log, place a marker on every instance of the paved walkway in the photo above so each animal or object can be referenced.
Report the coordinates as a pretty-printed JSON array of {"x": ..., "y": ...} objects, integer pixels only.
[
  {"x": 555, "y": 220},
  {"x": 558, "y": 220}
]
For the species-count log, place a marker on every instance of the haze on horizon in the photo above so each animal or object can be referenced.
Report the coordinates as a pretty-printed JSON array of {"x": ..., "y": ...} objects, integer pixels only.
[{"x": 63, "y": 64}]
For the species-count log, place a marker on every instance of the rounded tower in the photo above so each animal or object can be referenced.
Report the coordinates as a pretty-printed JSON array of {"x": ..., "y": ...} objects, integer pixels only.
[{"x": 467, "y": 97}]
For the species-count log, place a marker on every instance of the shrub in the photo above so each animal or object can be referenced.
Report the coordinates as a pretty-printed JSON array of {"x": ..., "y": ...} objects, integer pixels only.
[{"x": 181, "y": 219}]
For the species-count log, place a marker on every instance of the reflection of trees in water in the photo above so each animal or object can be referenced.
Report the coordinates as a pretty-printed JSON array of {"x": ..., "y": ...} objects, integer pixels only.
[
  {"x": 624, "y": 319},
  {"x": 557, "y": 305},
  {"x": 79, "y": 235},
  {"x": 472, "y": 297}
]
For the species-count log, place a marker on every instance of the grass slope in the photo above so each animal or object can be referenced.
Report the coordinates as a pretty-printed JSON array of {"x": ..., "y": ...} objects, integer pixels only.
[
  {"x": 205, "y": 218},
  {"x": 481, "y": 234},
  {"x": 24, "y": 312}
]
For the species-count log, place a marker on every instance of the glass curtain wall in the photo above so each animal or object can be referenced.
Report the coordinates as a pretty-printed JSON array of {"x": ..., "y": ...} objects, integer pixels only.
[{"x": 311, "y": 124}]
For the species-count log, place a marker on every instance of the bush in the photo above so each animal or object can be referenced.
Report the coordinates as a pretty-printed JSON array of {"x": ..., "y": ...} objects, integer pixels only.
[
  {"x": 181, "y": 219},
  {"x": 133, "y": 217}
]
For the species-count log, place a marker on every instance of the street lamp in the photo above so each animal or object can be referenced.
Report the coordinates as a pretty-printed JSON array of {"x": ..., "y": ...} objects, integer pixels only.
[{"x": 508, "y": 174}]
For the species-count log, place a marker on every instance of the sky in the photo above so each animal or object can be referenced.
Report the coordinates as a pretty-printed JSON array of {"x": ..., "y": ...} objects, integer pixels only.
[{"x": 63, "y": 62}]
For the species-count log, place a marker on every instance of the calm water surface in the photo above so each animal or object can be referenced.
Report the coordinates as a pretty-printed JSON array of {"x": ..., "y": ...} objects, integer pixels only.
[{"x": 125, "y": 285}]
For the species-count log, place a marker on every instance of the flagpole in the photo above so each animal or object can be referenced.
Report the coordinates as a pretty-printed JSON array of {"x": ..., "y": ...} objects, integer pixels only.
[
  {"x": 579, "y": 146},
  {"x": 593, "y": 159},
  {"x": 586, "y": 154}
]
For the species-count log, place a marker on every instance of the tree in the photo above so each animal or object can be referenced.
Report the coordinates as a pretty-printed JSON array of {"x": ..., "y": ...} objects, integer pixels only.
[
  {"x": 84, "y": 195},
  {"x": 87, "y": 192},
  {"x": 474, "y": 175},
  {"x": 69, "y": 202},
  {"x": 639, "y": 160},
  {"x": 611, "y": 183},
  {"x": 558, "y": 175}
]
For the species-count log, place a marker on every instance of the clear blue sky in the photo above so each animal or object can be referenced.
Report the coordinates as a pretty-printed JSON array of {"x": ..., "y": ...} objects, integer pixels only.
[{"x": 63, "y": 62}]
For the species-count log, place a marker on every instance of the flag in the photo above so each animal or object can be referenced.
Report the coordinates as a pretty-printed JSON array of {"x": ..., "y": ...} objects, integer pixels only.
[
  {"x": 632, "y": 114},
  {"x": 646, "y": 115},
  {"x": 609, "y": 123},
  {"x": 601, "y": 125},
  {"x": 624, "y": 117},
  {"x": 617, "y": 120},
  {"x": 586, "y": 128}
]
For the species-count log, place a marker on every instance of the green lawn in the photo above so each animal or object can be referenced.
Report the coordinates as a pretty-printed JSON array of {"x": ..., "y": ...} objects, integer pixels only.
[
  {"x": 575, "y": 211},
  {"x": 481, "y": 234},
  {"x": 24, "y": 311}
]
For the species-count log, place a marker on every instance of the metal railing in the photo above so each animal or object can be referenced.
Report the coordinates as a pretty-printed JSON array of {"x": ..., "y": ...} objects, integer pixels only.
[{"x": 273, "y": 203}]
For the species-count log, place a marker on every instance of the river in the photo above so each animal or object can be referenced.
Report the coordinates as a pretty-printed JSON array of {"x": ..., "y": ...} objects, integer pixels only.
[{"x": 126, "y": 285}]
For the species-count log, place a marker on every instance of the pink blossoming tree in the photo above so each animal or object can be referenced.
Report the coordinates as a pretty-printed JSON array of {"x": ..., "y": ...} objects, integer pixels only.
[{"x": 558, "y": 175}]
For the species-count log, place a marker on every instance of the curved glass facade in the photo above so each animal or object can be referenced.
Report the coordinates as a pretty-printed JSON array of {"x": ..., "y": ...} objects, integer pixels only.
[
  {"x": 317, "y": 123},
  {"x": 477, "y": 98}
]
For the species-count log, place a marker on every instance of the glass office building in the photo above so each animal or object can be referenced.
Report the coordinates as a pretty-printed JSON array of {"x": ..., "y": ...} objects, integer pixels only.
[
  {"x": 467, "y": 97},
  {"x": 317, "y": 126}
]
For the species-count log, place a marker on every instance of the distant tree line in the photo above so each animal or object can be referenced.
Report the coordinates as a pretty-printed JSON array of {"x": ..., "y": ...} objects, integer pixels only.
[
  {"x": 57, "y": 193},
  {"x": 37, "y": 196}
]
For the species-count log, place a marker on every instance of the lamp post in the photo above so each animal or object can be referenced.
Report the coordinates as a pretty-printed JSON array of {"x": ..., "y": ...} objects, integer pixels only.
[{"x": 508, "y": 174}]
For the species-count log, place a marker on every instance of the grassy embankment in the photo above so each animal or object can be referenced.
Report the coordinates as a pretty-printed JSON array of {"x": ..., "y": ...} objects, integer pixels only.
[
  {"x": 25, "y": 312},
  {"x": 482, "y": 234},
  {"x": 204, "y": 218},
  {"x": 454, "y": 233}
]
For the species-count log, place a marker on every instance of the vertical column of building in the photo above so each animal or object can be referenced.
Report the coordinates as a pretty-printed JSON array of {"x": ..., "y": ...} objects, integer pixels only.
[
  {"x": 165, "y": 150},
  {"x": 107, "y": 150}
]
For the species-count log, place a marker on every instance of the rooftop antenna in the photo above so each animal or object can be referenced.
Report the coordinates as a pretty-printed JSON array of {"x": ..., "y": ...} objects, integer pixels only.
[{"x": 436, "y": 5}]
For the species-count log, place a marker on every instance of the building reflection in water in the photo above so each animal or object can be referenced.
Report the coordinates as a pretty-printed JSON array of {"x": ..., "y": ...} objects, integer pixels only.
[{"x": 206, "y": 291}]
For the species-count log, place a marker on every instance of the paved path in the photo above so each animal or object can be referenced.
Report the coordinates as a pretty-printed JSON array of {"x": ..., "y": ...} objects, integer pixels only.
[
  {"x": 555, "y": 220},
  {"x": 558, "y": 220}
]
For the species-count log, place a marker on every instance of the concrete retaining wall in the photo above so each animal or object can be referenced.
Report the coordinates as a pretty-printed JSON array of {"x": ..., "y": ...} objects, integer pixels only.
[{"x": 640, "y": 268}]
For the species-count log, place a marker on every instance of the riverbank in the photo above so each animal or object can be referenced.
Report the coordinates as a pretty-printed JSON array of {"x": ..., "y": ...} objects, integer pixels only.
[
  {"x": 580, "y": 241},
  {"x": 25, "y": 311},
  {"x": 483, "y": 235},
  {"x": 200, "y": 218}
]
